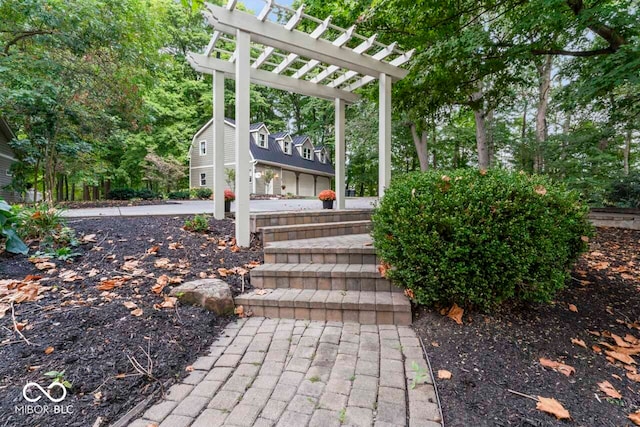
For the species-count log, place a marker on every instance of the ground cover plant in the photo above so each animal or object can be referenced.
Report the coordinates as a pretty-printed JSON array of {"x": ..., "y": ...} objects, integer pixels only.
[
  {"x": 85, "y": 318},
  {"x": 580, "y": 350},
  {"x": 479, "y": 238}
]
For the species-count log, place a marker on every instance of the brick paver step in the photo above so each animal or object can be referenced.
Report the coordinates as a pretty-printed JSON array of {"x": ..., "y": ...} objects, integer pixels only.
[
  {"x": 267, "y": 219},
  {"x": 346, "y": 249},
  {"x": 365, "y": 307},
  {"x": 309, "y": 231},
  {"x": 355, "y": 277}
]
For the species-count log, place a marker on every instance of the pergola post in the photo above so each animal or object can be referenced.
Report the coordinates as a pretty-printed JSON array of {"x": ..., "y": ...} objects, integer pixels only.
[
  {"x": 384, "y": 142},
  {"x": 340, "y": 153},
  {"x": 243, "y": 106},
  {"x": 218, "y": 146}
]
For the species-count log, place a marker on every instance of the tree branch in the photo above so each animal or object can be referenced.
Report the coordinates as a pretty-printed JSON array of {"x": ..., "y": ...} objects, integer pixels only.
[
  {"x": 610, "y": 35},
  {"x": 585, "y": 53},
  {"x": 23, "y": 35}
]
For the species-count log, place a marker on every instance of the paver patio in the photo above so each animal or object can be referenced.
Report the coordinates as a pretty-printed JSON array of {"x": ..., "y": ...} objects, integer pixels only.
[{"x": 285, "y": 372}]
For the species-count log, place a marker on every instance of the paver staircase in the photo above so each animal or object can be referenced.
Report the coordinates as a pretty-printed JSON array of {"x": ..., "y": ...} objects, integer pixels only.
[{"x": 321, "y": 265}]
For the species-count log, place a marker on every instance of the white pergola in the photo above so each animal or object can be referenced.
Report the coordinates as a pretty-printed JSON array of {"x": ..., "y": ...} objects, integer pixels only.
[{"x": 328, "y": 62}]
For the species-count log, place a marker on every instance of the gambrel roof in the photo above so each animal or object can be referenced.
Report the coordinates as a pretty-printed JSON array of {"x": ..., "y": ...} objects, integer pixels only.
[{"x": 275, "y": 155}]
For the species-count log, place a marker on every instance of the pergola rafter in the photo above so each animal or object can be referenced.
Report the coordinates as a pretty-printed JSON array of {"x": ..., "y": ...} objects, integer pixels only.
[{"x": 327, "y": 62}]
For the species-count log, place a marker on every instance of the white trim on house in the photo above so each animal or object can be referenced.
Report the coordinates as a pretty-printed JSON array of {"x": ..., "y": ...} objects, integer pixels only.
[
  {"x": 202, "y": 167},
  {"x": 295, "y": 169},
  {"x": 203, "y": 147},
  {"x": 6, "y": 156}
]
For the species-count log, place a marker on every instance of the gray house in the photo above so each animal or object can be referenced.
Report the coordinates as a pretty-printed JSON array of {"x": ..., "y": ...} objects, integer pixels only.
[
  {"x": 7, "y": 158},
  {"x": 299, "y": 167}
]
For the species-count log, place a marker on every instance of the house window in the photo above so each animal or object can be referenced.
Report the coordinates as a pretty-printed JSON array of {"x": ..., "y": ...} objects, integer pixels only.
[
  {"x": 286, "y": 146},
  {"x": 323, "y": 157},
  {"x": 262, "y": 140},
  {"x": 203, "y": 179},
  {"x": 8, "y": 172},
  {"x": 203, "y": 148},
  {"x": 306, "y": 153}
]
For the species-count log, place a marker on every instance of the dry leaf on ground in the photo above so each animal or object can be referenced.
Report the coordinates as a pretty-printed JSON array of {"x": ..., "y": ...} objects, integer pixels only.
[
  {"x": 633, "y": 377},
  {"x": 137, "y": 312},
  {"x": 558, "y": 366},
  {"x": 635, "y": 418},
  {"x": 130, "y": 305},
  {"x": 573, "y": 308},
  {"x": 382, "y": 269},
  {"x": 455, "y": 313},
  {"x": 624, "y": 358},
  {"x": 553, "y": 407},
  {"x": 48, "y": 350},
  {"x": 579, "y": 342},
  {"x": 609, "y": 390},
  {"x": 443, "y": 374}
]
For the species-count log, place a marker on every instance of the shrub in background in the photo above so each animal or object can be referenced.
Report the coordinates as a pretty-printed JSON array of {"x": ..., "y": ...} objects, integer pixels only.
[
  {"x": 479, "y": 238},
  {"x": 625, "y": 192},
  {"x": 39, "y": 222},
  {"x": 202, "y": 193},
  {"x": 130, "y": 193},
  {"x": 179, "y": 195}
]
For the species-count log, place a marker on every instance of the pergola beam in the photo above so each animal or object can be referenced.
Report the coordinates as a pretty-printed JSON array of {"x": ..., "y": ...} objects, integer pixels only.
[
  {"x": 207, "y": 65},
  {"x": 294, "y": 41}
]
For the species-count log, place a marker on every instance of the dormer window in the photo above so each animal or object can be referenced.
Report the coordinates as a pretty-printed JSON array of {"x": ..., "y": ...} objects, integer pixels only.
[
  {"x": 307, "y": 153},
  {"x": 262, "y": 140},
  {"x": 203, "y": 148},
  {"x": 286, "y": 146},
  {"x": 323, "y": 156}
]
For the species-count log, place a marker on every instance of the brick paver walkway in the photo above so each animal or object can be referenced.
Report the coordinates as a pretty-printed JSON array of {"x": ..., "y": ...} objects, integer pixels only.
[{"x": 284, "y": 372}]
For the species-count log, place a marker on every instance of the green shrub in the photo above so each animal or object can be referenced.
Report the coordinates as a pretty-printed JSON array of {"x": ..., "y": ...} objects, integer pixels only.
[
  {"x": 625, "y": 192},
  {"x": 179, "y": 195},
  {"x": 8, "y": 235},
  {"x": 197, "y": 224},
  {"x": 479, "y": 238},
  {"x": 122, "y": 194},
  {"x": 202, "y": 193},
  {"x": 39, "y": 221},
  {"x": 146, "y": 194}
]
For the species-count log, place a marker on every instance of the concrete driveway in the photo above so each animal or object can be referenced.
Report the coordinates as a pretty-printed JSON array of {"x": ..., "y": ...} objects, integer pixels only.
[{"x": 191, "y": 207}]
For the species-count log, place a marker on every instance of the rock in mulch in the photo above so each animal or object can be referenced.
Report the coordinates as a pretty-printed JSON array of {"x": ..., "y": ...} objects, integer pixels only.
[{"x": 211, "y": 294}]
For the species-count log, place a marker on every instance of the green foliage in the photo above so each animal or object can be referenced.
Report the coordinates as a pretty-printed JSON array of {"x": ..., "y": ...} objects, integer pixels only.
[
  {"x": 479, "y": 238},
  {"x": 39, "y": 222},
  {"x": 202, "y": 193},
  {"x": 420, "y": 374},
  {"x": 625, "y": 192},
  {"x": 8, "y": 234},
  {"x": 179, "y": 195},
  {"x": 130, "y": 193},
  {"x": 59, "y": 377},
  {"x": 197, "y": 224}
]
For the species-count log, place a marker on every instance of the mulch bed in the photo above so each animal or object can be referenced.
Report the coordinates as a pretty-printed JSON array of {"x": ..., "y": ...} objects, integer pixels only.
[
  {"x": 113, "y": 203},
  {"x": 490, "y": 354},
  {"x": 88, "y": 333}
]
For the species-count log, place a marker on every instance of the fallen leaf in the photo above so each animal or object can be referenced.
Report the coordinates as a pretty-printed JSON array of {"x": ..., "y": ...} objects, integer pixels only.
[
  {"x": 169, "y": 302},
  {"x": 609, "y": 390},
  {"x": 89, "y": 238},
  {"x": 48, "y": 350},
  {"x": 435, "y": 344},
  {"x": 189, "y": 368},
  {"x": 261, "y": 291},
  {"x": 635, "y": 418},
  {"x": 443, "y": 374},
  {"x": 137, "y": 312},
  {"x": 553, "y": 407},
  {"x": 584, "y": 239},
  {"x": 130, "y": 305},
  {"x": 620, "y": 342},
  {"x": 455, "y": 313},
  {"x": 45, "y": 265},
  {"x": 624, "y": 358},
  {"x": 633, "y": 377},
  {"x": 578, "y": 342},
  {"x": 558, "y": 366},
  {"x": 409, "y": 293},
  {"x": 235, "y": 248},
  {"x": 383, "y": 268},
  {"x": 539, "y": 189},
  {"x": 130, "y": 265},
  {"x": 573, "y": 308},
  {"x": 223, "y": 272},
  {"x": 631, "y": 339},
  {"x": 93, "y": 272},
  {"x": 153, "y": 250},
  {"x": 239, "y": 310}
]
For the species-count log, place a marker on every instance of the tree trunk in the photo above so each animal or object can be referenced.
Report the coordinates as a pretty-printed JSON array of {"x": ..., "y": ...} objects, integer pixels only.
[
  {"x": 544, "y": 71},
  {"x": 66, "y": 188},
  {"x": 490, "y": 138},
  {"x": 477, "y": 105},
  {"x": 456, "y": 155},
  {"x": 85, "y": 192},
  {"x": 96, "y": 192},
  {"x": 35, "y": 181},
  {"x": 73, "y": 192},
  {"x": 421, "y": 147},
  {"x": 627, "y": 151}
]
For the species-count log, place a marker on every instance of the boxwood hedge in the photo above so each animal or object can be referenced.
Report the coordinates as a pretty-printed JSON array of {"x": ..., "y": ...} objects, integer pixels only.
[{"x": 479, "y": 238}]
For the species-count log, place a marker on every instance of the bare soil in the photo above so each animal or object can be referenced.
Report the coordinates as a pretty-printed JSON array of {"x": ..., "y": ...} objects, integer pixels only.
[
  {"x": 491, "y": 354},
  {"x": 91, "y": 335}
]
